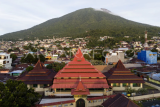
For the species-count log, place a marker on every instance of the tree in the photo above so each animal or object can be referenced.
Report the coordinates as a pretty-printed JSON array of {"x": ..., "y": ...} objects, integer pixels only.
[
  {"x": 150, "y": 42},
  {"x": 130, "y": 53},
  {"x": 9, "y": 50},
  {"x": 13, "y": 56},
  {"x": 42, "y": 58},
  {"x": 87, "y": 57},
  {"x": 63, "y": 55},
  {"x": 97, "y": 62},
  {"x": 29, "y": 68},
  {"x": 154, "y": 50},
  {"x": 30, "y": 58},
  {"x": 16, "y": 94},
  {"x": 56, "y": 66}
]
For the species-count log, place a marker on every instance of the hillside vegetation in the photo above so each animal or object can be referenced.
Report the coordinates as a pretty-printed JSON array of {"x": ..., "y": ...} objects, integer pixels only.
[{"x": 80, "y": 22}]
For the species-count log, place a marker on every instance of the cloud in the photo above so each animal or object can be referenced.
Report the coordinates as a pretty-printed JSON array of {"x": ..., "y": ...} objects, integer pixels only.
[{"x": 18, "y": 15}]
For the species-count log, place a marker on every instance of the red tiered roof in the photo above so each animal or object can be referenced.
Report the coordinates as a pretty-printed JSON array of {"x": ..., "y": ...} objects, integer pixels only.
[
  {"x": 80, "y": 90},
  {"x": 119, "y": 74},
  {"x": 39, "y": 75},
  {"x": 69, "y": 76}
]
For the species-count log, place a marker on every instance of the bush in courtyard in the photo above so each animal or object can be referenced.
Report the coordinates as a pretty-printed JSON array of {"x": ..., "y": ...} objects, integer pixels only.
[
  {"x": 142, "y": 91},
  {"x": 130, "y": 90}
]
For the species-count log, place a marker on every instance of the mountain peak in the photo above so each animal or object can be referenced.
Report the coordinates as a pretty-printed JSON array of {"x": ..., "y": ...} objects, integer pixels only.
[{"x": 105, "y": 10}]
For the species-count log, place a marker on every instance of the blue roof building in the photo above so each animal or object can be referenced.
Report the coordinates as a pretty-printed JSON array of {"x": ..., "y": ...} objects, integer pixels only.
[{"x": 148, "y": 56}]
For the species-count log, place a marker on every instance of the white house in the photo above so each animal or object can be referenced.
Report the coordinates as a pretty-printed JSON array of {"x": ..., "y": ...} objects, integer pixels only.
[{"x": 5, "y": 60}]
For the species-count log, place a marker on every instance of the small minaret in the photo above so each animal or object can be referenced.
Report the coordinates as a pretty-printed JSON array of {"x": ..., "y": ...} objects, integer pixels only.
[
  {"x": 145, "y": 44},
  {"x": 145, "y": 36}
]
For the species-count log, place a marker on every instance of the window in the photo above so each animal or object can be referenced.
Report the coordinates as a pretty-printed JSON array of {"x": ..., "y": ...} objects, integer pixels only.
[
  {"x": 99, "y": 100},
  {"x": 41, "y": 85},
  {"x": 45, "y": 85},
  {"x": 34, "y": 85},
  {"x": 71, "y": 104},
  {"x": 116, "y": 84},
  {"x": 94, "y": 100},
  {"x": 128, "y": 84},
  {"x": 136, "y": 84},
  {"x": 66, "y": 105},
  {"x": 4, "y": 62},
  {"x": 7, "y": 61},
  {"x": 124, "y": 84}
]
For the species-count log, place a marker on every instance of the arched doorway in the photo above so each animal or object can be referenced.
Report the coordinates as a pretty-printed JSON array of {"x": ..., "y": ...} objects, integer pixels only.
[{"x": 80, "y": 103}]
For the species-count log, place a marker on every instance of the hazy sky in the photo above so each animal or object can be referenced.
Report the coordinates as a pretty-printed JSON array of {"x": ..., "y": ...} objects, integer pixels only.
[{"x": 17, "y": 15}]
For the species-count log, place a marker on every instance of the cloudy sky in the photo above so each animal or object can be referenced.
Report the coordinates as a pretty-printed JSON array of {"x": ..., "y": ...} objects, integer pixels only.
[{"x": 17, "y": 15}]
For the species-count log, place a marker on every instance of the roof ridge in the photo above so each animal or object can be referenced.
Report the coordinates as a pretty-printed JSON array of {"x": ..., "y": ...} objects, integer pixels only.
[
  {"x": 115, "y": 100},
  {"x": 132, "y": 102}
]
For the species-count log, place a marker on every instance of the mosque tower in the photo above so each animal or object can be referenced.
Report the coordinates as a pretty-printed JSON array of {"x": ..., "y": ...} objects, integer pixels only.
[{"x": 145, "y": 44}]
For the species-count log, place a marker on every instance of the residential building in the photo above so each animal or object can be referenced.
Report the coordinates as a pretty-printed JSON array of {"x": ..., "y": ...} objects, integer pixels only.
[
  {"x": 114, "y": 57},
  {"x": 5, "y": 60}
]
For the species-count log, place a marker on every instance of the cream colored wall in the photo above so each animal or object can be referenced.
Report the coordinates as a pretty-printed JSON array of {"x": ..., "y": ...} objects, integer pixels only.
[
  {"x": 37, "y": 89},
  {"x": 142, "y": 97},
  {"x": 63, "y": 105},
  {"x": 94, "y": 103},
  {"x": 87, "y": 104},
  {"x": 121, "y": 88}
]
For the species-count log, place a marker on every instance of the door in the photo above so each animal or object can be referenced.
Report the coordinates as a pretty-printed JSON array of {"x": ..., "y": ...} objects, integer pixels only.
[{"x": 80, "y": 103}]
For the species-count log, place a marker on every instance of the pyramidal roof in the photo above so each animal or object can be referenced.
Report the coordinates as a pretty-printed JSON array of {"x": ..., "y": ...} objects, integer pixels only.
[
  {"x": 39, "y": 65},
  {"x": 120, "y": 65},
  {"x": 80, "y": 90},
  {"x": 79, "y": 67},
  {"x": 119, "y": 101},
  {"x": 119, "y": 74},
  {"x": 39, "y": 75},
  {"x": 80, "y": 87}
]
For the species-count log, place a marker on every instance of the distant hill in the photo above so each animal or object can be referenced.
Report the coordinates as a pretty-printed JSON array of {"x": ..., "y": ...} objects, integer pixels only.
[{"x": 77, "y": 23}]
